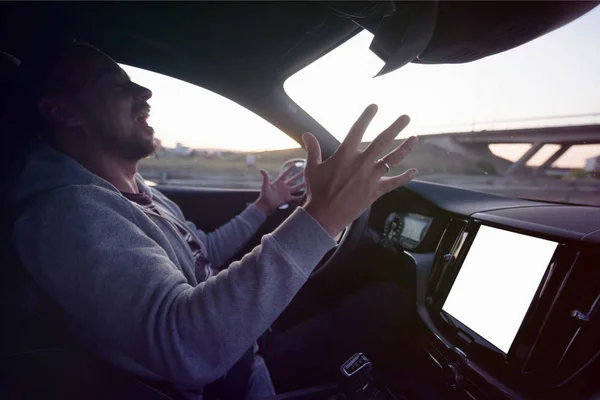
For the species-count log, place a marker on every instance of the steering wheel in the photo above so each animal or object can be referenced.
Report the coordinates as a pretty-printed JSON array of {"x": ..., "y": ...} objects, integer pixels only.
[
  {"x": 346, "y": 243},
  {"x": 346, "y": 240}
]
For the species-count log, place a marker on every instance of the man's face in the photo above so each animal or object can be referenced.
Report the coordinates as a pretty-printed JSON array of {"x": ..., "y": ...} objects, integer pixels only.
[{"x": 110, "y": 110}]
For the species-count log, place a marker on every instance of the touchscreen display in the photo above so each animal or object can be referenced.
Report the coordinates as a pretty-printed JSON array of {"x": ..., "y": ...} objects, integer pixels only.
[{"x": 497, "y": 282}]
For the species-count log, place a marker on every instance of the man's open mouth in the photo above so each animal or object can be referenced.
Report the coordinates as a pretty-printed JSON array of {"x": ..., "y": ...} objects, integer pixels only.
[{"x": 143, "y": 117}]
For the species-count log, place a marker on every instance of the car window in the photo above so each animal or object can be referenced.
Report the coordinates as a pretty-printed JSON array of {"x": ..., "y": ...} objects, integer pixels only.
[
  {"x": 207, "y": 140},
  {"x": 522, "y": 123}
]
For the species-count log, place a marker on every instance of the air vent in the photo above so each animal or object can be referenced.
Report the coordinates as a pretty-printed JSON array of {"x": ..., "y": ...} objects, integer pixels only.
[
  {"x": 584, "y": 346},
  {"x": 450, "y": 244},
  {"x": 567, "y": 341}
]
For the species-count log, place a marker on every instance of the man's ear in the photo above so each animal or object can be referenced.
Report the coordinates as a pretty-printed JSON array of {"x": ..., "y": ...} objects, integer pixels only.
[{"x": 57, "y": 112}]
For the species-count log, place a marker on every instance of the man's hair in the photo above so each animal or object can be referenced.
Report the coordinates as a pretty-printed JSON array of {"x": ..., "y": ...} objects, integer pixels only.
[
  {"x": 45, "y": 71},
  {"x": 42, "y": 74},
  {"x": 38, "y": 75}
]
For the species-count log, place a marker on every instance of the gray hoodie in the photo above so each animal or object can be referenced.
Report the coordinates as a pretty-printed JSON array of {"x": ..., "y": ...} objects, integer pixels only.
[{"x": 126, "y": 281}]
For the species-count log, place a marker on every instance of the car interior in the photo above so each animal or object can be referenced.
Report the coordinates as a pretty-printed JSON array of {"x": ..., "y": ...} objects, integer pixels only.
[{"x": 492, "y": 332}]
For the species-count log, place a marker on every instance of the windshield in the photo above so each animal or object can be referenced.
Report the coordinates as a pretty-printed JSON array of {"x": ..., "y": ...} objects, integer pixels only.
[{"x": 523, "y": 123}]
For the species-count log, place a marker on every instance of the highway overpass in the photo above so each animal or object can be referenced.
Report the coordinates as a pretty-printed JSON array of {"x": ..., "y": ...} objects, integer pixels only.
[{"x": 477, "y": 143}]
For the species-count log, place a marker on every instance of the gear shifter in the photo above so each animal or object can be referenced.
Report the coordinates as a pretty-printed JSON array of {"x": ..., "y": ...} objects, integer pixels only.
[
  {"x": 357, "y": 379},
  {"x": 358, "y": 382}
]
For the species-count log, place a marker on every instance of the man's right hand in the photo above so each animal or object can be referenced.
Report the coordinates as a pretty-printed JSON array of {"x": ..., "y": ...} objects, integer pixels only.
[{"x": 340, "y": 189}]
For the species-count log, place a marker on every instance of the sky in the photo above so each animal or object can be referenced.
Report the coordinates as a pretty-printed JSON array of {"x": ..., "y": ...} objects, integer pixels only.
[{"x": 550, "y": 77}]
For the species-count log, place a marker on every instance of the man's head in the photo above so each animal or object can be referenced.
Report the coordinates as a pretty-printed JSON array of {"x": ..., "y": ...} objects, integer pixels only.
[{"x": 88, "y": 102}]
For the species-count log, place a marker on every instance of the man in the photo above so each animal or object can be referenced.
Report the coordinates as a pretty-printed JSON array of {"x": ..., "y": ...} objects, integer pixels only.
[{"x": 137, "y": 284}]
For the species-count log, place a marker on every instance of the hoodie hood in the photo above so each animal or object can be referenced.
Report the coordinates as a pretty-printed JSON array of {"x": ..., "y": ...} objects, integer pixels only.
[{"x": 47, "y": 169}]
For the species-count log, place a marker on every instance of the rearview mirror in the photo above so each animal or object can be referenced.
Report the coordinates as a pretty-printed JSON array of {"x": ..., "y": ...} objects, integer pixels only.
[
  {"x": 404, "y": 33},
  {"x": 402, "y": 29}
]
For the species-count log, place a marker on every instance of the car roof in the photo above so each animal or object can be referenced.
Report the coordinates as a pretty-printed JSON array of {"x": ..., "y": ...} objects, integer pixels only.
[{"x": 252, "y": 43}]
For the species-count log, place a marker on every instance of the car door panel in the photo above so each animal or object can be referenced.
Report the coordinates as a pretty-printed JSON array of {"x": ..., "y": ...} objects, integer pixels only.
[{"x": 209, "y": 208}]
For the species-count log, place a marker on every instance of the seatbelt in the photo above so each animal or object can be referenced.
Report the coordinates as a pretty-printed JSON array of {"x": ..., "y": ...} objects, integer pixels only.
[{"x": 176, "y": 223}]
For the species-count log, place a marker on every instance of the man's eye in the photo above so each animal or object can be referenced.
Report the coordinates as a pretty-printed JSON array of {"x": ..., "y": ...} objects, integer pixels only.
[{"x": 125, "y": 85}]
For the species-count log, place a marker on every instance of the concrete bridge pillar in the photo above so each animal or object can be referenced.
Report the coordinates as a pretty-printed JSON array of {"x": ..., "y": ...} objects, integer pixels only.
[
  {"x": 548, "y": 163},
  {"x": 519, "y": 165}
]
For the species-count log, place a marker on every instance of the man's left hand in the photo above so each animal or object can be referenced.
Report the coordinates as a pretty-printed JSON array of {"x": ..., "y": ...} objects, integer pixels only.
[{"x": 278, "y": 192}]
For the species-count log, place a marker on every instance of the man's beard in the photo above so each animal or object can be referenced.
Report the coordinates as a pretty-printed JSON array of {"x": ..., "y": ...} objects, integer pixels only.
[{"x": 133, "y": 147}]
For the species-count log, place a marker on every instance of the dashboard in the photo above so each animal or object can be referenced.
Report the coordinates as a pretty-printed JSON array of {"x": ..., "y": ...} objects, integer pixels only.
[{"x": 507, "y": 290}]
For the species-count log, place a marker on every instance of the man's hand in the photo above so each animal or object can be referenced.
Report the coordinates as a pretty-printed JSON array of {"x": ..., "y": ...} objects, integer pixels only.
[
  {"x": 279, "y": 192},
  {"x": 340, "y": 189}
]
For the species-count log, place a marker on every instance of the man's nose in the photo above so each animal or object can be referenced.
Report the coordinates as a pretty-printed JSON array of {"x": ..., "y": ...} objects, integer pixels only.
[{"x": 142, "y": 93}]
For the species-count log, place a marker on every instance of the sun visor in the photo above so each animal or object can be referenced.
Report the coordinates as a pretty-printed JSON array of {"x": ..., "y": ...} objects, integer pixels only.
[
  {"x": 468, "y": 31},
  {"x": 450, "y": 32}
]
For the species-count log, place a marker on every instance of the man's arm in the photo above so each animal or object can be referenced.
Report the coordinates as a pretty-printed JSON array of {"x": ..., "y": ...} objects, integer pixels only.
[
  {"x": 224, "y": 242},
  {"x": 119, "y": 286}
]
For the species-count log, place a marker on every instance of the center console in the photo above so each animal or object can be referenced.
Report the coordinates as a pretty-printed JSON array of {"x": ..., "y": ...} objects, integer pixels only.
[{"x": 512, "y": 313}]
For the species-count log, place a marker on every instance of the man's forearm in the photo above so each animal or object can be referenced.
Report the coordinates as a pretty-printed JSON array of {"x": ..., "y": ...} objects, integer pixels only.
[
  {"x": 224, "y": 242},
  {"x": 263, "y": 207}
]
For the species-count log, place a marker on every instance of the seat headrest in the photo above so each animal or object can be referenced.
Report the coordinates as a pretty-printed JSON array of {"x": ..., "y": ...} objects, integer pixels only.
[
  {"x": 8, "y": 73},
  {"x": 8, "y": 58},
  {"x": 8, "y": 67}
]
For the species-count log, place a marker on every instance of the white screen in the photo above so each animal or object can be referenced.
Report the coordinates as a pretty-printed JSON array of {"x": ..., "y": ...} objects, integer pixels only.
[{"x": 497, "y": 282}]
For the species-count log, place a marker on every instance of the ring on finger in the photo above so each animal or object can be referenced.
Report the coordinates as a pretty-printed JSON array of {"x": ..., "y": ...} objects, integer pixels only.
[{"x": 385, "y": 164}]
